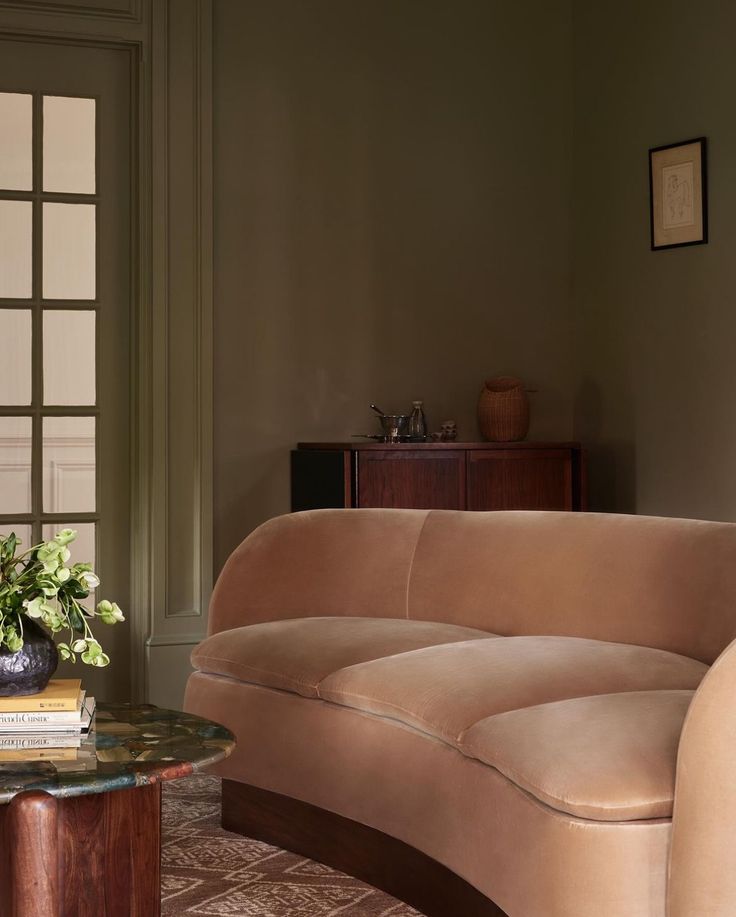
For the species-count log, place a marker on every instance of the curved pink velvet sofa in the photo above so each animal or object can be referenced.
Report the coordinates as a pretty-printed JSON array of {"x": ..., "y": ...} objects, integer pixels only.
[{"x": 542, "y": 704}]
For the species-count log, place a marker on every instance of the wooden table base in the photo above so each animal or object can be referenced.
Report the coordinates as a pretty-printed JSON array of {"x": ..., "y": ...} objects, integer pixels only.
[{"x": 83, "y": 856}]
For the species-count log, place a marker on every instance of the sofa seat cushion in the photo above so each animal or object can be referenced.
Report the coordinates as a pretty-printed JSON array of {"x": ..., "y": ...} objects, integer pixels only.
[
  {"x": 295, "y": 655},
  {"x": 444, "y": 690},
  {"x": 609, "y": 758}
]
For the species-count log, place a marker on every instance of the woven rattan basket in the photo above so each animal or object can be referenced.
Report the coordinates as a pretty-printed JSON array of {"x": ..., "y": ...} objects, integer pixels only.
[{"x": 503, "y": 410}]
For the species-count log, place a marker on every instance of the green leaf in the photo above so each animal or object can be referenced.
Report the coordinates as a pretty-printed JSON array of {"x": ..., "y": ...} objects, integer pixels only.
[
  {"x": 65, "y": 652},
  {"x": 75, "y": 619},
  {"x": 76, "y": 589},
  {"x": 10, "y": 544},
  {"x": 13, "y": 641}
]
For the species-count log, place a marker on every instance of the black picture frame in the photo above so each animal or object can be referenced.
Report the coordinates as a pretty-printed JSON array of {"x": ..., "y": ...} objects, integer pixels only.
[{"x": 678, "y": 194}]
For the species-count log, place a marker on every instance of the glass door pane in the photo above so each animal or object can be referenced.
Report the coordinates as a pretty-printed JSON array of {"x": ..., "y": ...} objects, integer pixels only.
[
  {"x": 16, "y": 248},
  {"x": 69, "y": 236},
  {"x": 16, "y": 141},
  {"x": 69, "y": 465},
  {"x": 15, "y": 356},
  {"x": 65, "y": 269},
  {"x": 15, "y": 464},
  {"x": 22, "y": 533},
  {"x": 68, "y": 145},
  {"x": 69, "y": 357}
]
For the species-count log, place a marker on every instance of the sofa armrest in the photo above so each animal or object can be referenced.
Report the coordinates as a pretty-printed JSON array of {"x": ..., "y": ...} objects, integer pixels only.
[
  {"x": 352, "y": 562},
  {"x": 702, "y": 871}
]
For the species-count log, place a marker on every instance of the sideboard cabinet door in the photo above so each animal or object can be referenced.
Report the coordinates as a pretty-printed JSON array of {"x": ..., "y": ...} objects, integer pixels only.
[
  {"x": 520, "y": 479},
  {"x": 411, "y": 479}
]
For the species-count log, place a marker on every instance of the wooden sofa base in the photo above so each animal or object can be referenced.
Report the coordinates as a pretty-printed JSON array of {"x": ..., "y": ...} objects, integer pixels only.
[{"x": 376, "y": 858}]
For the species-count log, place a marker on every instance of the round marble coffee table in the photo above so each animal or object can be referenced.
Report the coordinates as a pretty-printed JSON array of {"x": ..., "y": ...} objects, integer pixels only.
[{"x": 82, "y": 837}]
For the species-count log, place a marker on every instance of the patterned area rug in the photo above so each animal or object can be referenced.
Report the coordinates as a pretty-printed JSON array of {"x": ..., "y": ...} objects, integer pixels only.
[{"x": 210, "y": 872}]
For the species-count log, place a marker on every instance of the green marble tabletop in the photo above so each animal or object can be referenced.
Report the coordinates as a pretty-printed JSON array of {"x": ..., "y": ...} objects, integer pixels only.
[{"x": 130, "y": 745}]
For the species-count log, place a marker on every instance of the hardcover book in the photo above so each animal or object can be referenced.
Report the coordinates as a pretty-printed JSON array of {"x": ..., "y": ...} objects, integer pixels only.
[
  {"x": 59, "y": 694},
  {"x": 42, "y": 717},
  {"x": 30, "y": 748},
  {"x": 49, "y": 724}
]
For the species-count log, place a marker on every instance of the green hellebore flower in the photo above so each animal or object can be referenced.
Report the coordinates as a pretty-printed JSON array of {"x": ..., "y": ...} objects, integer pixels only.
[
  {"x": 110, "y": 612},
  {"x": 93, "y": 651},
  {"x": 90, "y": 579},
  {"x": 47, "y": 586},
  {"x": 48, "y": 550},
  {"x": 34, "y": 608},
  {"x": 50, "y": 616},
  {"x": 13, "y": 642},
  {"x": 65, "y": 536}
]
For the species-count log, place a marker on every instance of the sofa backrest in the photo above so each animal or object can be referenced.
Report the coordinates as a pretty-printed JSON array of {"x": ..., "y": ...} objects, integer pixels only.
[{"x": 666, "y": 583}]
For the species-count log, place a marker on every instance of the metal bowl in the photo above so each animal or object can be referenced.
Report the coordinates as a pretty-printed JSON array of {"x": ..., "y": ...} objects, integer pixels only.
[{"x": 394, "y": 426}]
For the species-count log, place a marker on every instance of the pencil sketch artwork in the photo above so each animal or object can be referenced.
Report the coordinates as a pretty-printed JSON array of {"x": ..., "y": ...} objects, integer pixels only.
[{"x": 677, "y": 195}]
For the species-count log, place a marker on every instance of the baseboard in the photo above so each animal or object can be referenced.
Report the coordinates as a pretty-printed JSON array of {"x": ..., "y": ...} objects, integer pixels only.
[{"x": 168, "y": 671}]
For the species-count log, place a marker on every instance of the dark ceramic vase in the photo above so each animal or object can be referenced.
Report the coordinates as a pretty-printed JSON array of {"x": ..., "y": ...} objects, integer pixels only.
[{"x": 28, "y": 671}]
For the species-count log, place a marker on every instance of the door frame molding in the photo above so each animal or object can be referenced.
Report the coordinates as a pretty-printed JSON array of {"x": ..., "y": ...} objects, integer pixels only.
[
  {"x": 171, "y": 313},
  {"x": 175, "y": 459}
]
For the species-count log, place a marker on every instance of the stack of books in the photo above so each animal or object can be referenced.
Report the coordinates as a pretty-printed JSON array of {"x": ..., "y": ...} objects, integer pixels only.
[{"x": 53, "y": 725}]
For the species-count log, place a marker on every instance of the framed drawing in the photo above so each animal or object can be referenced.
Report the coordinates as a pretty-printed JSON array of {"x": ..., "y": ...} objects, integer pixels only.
[{"x": 677, "y": 194}]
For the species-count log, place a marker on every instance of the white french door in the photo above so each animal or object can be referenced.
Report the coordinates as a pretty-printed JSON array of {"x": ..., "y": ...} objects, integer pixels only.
[{"x": 65, "y": 311}]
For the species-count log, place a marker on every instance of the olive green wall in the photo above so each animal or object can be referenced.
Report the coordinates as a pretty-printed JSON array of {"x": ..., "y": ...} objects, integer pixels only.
[
  {"x": 655, "y": 334},
  {"x": 392, "y": 202}
]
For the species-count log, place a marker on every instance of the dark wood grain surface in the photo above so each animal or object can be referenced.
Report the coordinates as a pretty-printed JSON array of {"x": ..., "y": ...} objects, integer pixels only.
[
  {"x": 363, "y": 445},
  {"x": 84, "y": 856},
  {"x": 456, "y": 476},
  {"x": 411, "y": 479},
  {"x": 30, "y": 847},
  {"x": 360, "y": 851},
  {"x": 514, "y": 479}
]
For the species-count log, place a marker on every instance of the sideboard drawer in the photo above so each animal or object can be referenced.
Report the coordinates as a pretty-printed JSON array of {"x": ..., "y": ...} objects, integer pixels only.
[
  {"x": 411, "y": 479},
  {"x": 515, "y": 479}
]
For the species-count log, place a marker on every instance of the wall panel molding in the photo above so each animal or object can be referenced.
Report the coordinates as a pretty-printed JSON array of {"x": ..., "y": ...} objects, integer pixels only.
[
  {"x": 125, "y": 10},
  {"x": 181, "y": 330}
]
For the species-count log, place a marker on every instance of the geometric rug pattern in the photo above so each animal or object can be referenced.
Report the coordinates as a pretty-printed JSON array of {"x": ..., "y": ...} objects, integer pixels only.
[{"x": 209, "y": 872}]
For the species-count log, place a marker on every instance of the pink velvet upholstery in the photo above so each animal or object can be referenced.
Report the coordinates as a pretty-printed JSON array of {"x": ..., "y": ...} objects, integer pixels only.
[
  {"x": 529, "y": 858},
  {"x": 297, "y": 655},
  {"x": 610, "y": 757},
  {"x": 444, "y": 690},
  {"x": 504, "y": 691},
  {"x": 667, "y": 583}
]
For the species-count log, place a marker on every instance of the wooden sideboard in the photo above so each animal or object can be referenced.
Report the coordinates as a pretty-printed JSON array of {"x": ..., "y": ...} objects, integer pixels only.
[{"x": 474, "y": 476}]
